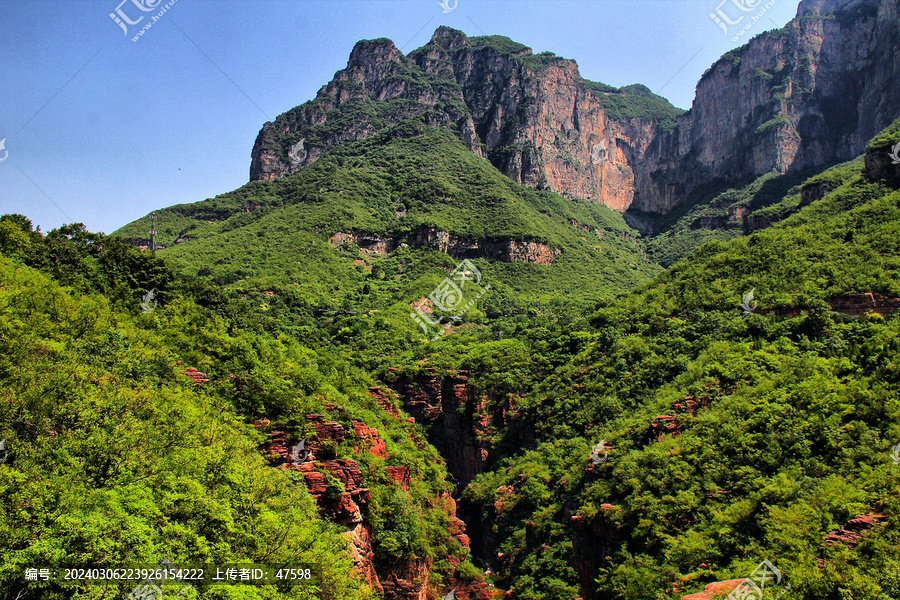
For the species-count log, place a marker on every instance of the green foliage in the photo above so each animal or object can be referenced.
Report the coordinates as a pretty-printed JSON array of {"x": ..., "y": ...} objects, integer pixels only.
[
  {"x": 776, "y": 123},
  {"x": 886, "y": 139},
  {"x": 116, "y": 458},
  {"x": 393, "y": 186},
  {"x": 792, "y": 440},
  {"x": 635, "y": 102}
]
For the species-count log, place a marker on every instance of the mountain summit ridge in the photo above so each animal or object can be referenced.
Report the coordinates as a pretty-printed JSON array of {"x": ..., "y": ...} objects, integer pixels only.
[{"x": 779, "y": 103}]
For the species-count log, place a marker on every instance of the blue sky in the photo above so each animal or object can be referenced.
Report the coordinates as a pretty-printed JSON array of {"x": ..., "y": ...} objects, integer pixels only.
[{"x": 102, "y": 130}]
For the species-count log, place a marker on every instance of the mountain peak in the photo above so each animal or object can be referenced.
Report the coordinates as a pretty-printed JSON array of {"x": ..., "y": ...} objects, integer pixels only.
[
  {"x": 369, "y": 53},
  {"x": 449, "y": 38},
  {"x": 541, "y": 124}
]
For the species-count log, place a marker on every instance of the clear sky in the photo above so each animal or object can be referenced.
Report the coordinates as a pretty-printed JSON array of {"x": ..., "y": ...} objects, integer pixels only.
[{"x": 101, "y": 130}]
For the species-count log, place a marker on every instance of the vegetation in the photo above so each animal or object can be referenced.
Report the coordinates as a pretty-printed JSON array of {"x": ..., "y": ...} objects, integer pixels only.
[
  {"x": 887, "y": 138},
  {"x": 744, "y": 400},
  {"x": 719, "y": 212},
  {"x": 407, "y": 179},
  {"x": 792, "y": 438},
  {"x": 116, "y": 458},
  {"x": 635, "y": 102}
]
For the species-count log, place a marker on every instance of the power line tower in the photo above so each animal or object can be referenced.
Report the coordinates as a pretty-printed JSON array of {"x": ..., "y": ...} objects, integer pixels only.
[{"x": 153, "y": 232}]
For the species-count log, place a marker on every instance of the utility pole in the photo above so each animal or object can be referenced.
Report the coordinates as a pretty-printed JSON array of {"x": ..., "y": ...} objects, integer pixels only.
[{"x": 153, "y": 232}]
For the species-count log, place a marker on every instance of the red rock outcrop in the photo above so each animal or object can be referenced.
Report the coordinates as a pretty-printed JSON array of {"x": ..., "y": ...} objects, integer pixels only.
[
  {"x": 373, "y": 441},
  {"x": 663, "y": 425},
  {"x": 340, "y": 506},
  {"x": 196, "y": 376},
  {"x": 853, "y": 531},
  {"x": 360, "y": 539},
  {"x": 407, "y": 580},
  {"x": 343, "y": 504},
  {"x": 715, "y": 591},
  {"x": 384, "y": 400},
  {"x": 400, "y": 475}
]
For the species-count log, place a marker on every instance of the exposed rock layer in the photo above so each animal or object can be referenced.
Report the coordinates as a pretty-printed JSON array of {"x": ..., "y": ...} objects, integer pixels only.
[
  {"x": 408, "y": 579},
  {"x": 504, "y": 250}
]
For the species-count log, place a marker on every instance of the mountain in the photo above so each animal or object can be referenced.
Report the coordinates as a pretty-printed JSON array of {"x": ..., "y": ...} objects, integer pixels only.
[
  {"x": 379, "y": 140},
  {"x": 537, "y": 120},
  {"x": 739, "y": 409},
  {"x": 789, "y": 102},
  {"x": 370, "y": 224},
  {"x": 593, "y": 427}
]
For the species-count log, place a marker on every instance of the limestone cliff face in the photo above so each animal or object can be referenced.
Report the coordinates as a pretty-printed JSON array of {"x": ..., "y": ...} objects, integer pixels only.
[
  {"x": 540, "y": 124},
  {"x": 808, "y": 95}
]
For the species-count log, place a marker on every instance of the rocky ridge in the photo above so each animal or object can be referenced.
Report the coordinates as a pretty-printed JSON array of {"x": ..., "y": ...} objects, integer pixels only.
[
  {"x": 407, "y": 579},
  {"x": 805, "y": 96}
]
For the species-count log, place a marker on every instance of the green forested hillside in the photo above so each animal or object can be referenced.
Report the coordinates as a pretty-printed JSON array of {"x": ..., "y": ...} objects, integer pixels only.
[
  {"x": 390, "y": 185},
  {"x": 791, "y": 436},
  {"x": 641, "y": 439},
  {"x": 114, "y": 458}
]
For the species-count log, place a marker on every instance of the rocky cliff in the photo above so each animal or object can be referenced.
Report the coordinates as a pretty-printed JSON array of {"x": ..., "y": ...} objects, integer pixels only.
[
  {"x": 504, "y": 250},
  {"x": 534, "y": 117},
  {"x": 807, "y": 95},
  {"x": 340, "y": 489},
  {"x": 461, "y": 422}
]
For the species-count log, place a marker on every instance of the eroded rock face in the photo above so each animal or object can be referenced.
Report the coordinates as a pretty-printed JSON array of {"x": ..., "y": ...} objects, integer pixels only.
[
  {"x": 854, "y": 530},
  {"x": 854, "y": 305},
  {"x": 881, "y": 164},
  {"x": 716, "y": 590},
  {"x": 345, "y": 504},
  {"x": 508, "y": 250},
  {"x": 458, "y": 420},
  {"x": 435, "y": 402},
  {"x": 808, "y": 95}
]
